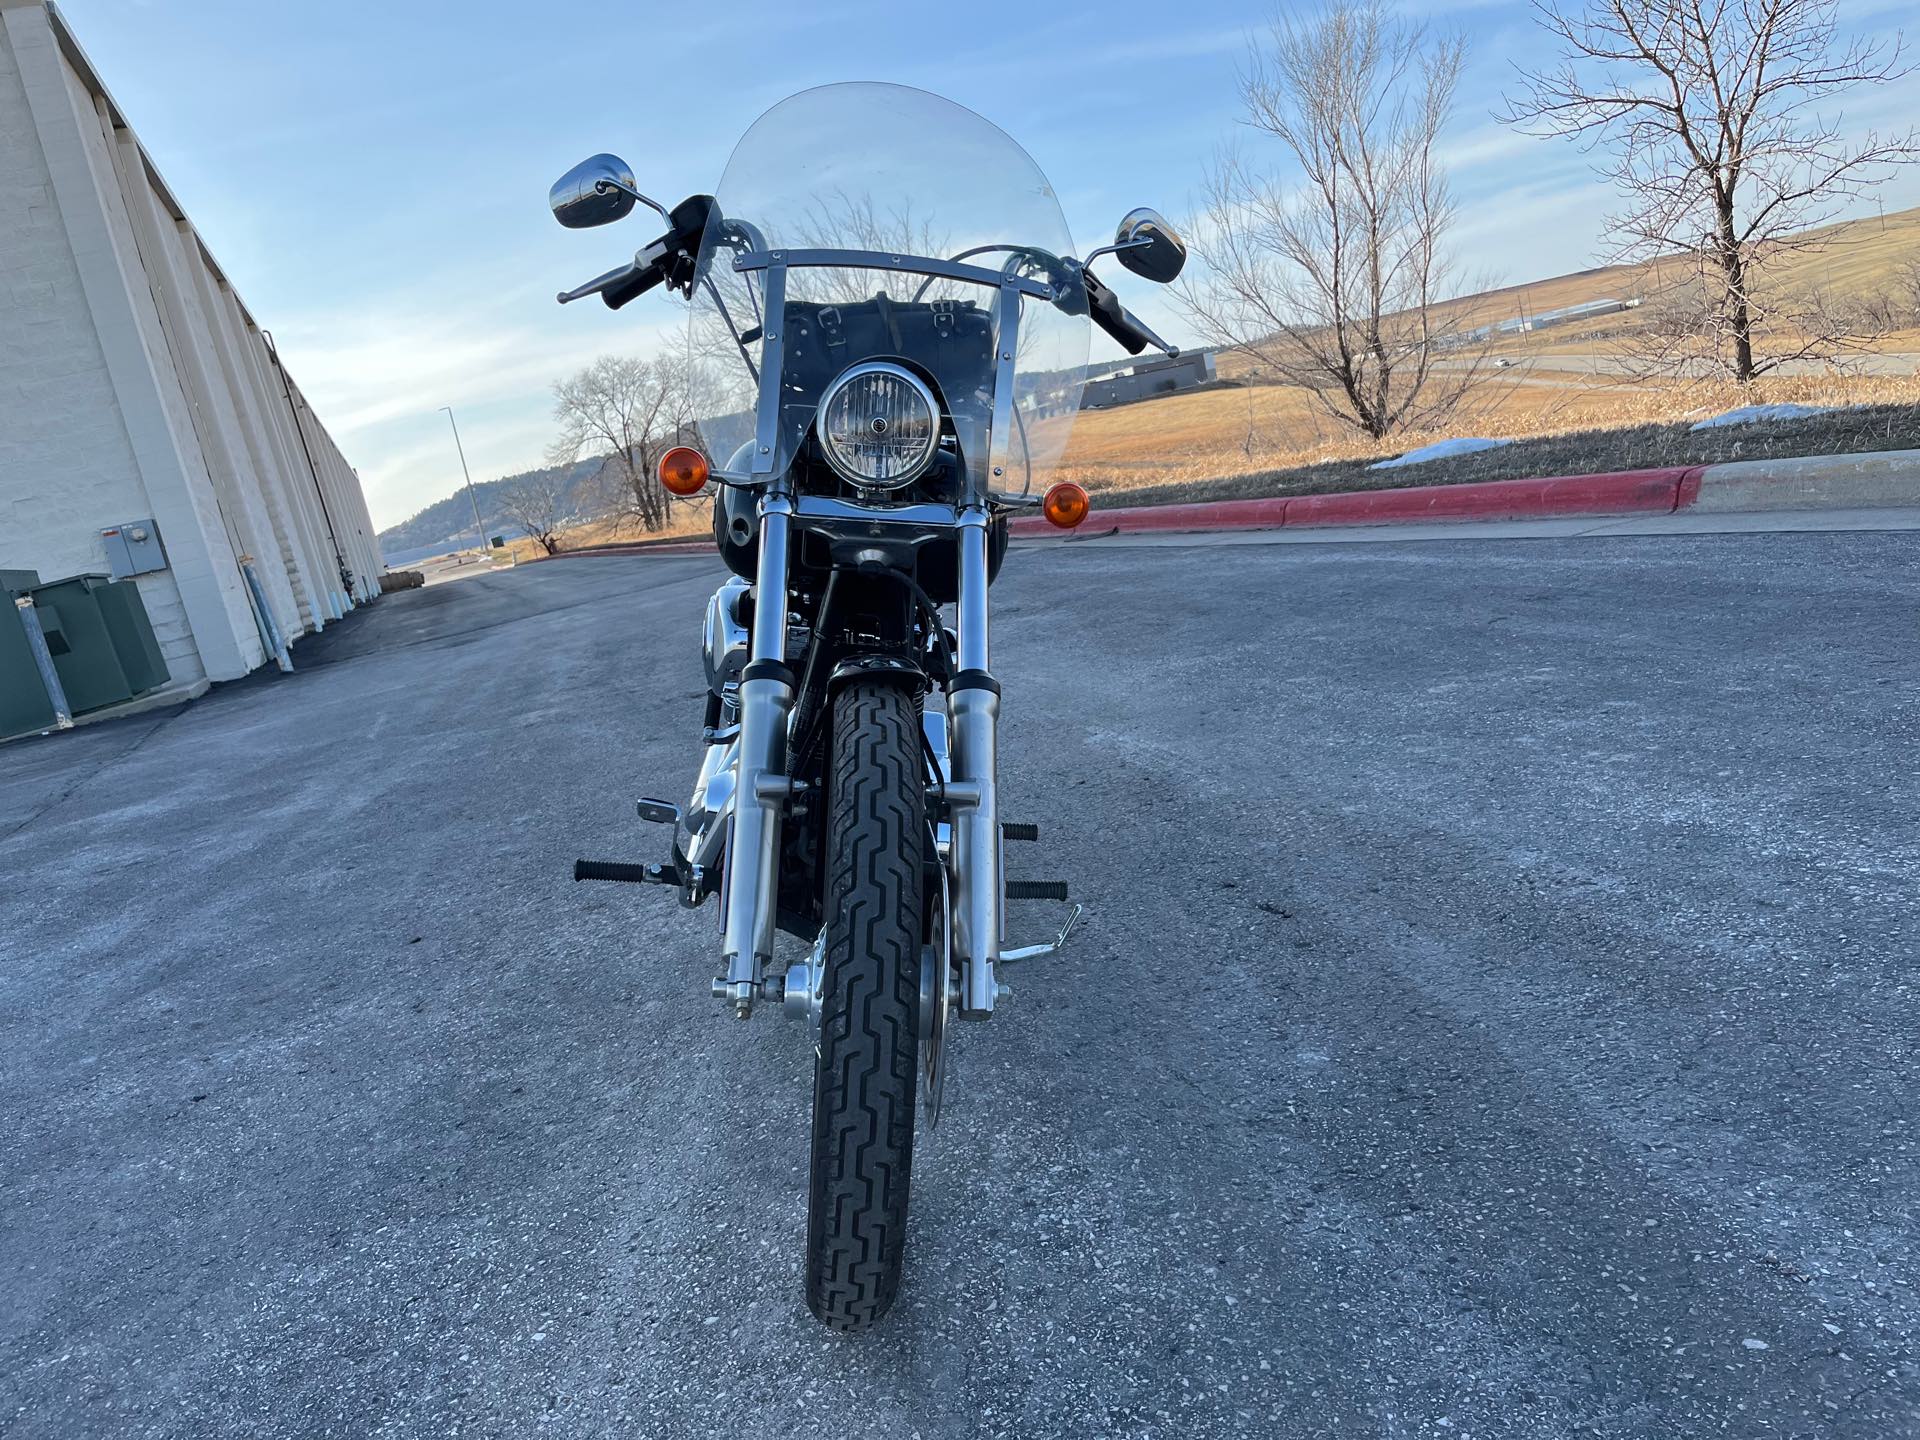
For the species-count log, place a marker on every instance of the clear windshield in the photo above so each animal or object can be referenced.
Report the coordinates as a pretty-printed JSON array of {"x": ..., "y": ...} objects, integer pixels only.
[{"x": 887, "y": 168}]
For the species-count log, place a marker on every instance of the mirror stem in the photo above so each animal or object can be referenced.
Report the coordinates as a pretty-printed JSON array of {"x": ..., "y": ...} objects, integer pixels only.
[
  {"x": 1114, "y": 250},
  {"x": 600, "y": 187}
]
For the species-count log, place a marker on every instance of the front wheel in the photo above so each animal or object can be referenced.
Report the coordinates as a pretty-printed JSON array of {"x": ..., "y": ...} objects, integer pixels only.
[{"x": 863, "y": 1094}]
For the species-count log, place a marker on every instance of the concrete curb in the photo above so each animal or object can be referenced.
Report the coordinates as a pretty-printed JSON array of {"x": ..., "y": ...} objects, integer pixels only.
[{"x": 1872, "y": 480}]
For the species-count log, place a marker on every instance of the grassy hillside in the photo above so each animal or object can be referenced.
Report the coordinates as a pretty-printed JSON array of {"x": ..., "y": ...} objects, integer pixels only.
[{"x": 1855, "y": 259}]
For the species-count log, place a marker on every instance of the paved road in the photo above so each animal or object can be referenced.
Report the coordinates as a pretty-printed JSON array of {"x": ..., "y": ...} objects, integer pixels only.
[
  {"x": 1496, "y": 1017},
  {"x": 1604, "y": 362}
]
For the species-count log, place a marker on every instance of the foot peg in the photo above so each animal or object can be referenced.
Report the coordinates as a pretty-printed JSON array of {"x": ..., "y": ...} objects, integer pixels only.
[
  {"x": 1036, "y": 890},
  {"x": 627, "y": 874},
  {"x": 1015, "y": 830},
  {"x": 660, "y": 812},
  {"x": 1052, "y": 947}
]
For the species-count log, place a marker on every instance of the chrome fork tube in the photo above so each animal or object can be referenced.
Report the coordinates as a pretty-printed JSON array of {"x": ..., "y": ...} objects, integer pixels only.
[
  {"x": 973, "y": 702},
  {"x": 762, "y": 786}
]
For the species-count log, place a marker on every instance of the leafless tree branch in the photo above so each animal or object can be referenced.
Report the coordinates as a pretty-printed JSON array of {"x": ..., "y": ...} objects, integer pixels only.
[
  {"x": 1706, "y": 115},
  {"x": 1336, "y": 283},
  {"x": 627, "y": 412},
  {"x": 537, "y": 503}
]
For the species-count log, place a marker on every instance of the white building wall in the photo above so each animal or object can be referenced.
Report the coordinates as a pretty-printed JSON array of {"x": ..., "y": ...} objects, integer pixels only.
[
  {"x": 148, "y": 231},
  {"x": 134, "y": 383},
  {"x": 178, "y": 466},
  {"x": 65, "y": 457}
]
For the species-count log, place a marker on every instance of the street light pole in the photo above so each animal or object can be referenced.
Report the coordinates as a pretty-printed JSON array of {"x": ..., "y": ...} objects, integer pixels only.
[{"x": 479, "y": 530}]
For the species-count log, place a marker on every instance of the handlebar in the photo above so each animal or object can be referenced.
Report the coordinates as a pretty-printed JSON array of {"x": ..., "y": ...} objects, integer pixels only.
[{"x": 671, "y": 258}]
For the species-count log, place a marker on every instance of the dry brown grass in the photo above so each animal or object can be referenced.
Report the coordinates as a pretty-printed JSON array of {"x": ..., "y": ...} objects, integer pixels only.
[{"x": 687, "y": 520}]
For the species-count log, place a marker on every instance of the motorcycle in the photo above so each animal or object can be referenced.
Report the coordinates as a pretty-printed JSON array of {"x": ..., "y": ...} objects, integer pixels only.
[{"x": 892, "y": 330}]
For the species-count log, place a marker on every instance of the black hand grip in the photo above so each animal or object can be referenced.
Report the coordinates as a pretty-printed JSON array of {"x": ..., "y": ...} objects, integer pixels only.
[
  {"x": 679, "y": 248},
  {"x": 632, "y": 288},
  {"x": 1111, "y": 316}
]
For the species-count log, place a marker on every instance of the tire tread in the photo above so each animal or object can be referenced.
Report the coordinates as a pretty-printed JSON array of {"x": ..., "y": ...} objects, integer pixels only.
[{"x": 865, "y": 1078}]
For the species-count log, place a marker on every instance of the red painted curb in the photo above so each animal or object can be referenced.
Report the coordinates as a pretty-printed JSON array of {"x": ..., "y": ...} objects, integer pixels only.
[
  {"x": 1689, "y": 487},
  {"x": 1626, "y": 492}
]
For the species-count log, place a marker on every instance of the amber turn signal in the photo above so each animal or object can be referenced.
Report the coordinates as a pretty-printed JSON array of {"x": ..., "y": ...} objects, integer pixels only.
[
  {"x": 683, "y": 471},
  {"x": 1066, "y": 505}
]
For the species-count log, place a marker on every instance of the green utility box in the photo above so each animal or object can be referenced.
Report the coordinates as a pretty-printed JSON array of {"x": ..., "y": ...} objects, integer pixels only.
[
  {"x": 24, "y": 704},
  {"x": 13, "y": 582},
  {"x": 101, "y": 641},
  {"x": 132, "y": 635}
]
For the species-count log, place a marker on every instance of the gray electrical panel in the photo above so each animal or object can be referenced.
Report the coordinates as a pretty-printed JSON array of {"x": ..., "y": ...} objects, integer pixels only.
[{"x": 134, "y": 549}]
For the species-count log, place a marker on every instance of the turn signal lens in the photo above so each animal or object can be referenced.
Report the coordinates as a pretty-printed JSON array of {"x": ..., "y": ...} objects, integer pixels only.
[
  {"x": 1066, "y": 505},
  {"x": 683, "y": 471}
]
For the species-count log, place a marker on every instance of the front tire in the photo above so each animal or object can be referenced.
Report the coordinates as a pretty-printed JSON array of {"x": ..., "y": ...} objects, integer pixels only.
[{"x": 863, "y": 1095}]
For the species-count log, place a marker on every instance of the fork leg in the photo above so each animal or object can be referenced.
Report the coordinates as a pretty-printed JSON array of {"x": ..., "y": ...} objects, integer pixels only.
[
  {"x": 766, "y": 700},
  {"x": 974, "y": 703}
]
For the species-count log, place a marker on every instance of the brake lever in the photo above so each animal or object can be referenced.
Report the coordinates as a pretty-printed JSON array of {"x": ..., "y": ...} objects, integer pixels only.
[
  {"x": 598, "y": 283},
  {"x": 1172, "y": 352}
]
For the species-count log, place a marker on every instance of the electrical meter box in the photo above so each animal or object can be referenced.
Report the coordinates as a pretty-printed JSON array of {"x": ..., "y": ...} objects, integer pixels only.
[{"x": 134, "y": 549}]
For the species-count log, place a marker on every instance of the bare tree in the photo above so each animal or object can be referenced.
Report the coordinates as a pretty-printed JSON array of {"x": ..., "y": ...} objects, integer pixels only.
[
  {"x": 627, "y": 412},
  {"x": 1337, "y": 284},
  {"x": 1705, "y": 111},
  {"x": 537, "y": 503},
  {"x": 1906, "y": 292}
]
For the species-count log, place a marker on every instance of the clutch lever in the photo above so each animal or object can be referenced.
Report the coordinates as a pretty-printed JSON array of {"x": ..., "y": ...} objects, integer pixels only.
[{"x": 1171, "y": 351}]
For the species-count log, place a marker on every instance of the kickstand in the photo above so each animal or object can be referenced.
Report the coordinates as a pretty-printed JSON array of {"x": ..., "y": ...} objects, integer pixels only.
[{"x": 1051, "y": 947}]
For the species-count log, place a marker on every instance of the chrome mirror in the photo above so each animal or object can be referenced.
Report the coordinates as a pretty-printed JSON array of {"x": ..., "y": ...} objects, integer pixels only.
[
  {"x": 1151, "y": 248},
  {"x": 597, "y": 191}
]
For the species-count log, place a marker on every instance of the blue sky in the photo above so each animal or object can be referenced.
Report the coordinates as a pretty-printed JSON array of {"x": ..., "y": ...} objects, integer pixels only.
[{"x": 373, "y": 176}]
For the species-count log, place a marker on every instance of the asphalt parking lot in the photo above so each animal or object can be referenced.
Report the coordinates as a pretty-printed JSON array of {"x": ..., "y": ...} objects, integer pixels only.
[{"x": 1495, "y": 1016}]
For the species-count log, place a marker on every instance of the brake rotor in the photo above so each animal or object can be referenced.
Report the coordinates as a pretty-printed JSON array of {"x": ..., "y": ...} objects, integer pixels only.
[{"x": 936, "y": 996}]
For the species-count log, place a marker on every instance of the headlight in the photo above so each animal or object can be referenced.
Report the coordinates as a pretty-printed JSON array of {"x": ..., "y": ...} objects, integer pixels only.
[{"x": 879, "y": 426}]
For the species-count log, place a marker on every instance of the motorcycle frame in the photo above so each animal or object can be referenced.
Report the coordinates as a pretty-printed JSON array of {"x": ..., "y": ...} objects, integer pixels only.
[{"x": 763, "y": 786}]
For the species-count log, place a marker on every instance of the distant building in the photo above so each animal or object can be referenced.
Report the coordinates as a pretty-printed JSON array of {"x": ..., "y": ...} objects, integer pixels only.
[
  {"x": 1143, "y": 379},
  {"x": 1525, "y": 324},
  {"x": 146, "y": 425}
]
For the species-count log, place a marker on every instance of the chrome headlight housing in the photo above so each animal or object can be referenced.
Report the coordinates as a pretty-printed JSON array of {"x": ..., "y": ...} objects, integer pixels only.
[{"x": 878, "y": 425}]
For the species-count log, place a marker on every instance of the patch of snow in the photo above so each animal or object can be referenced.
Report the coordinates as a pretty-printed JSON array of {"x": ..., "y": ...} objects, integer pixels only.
[
  {"x": 1748, "y": 414},
  {"x": 1441, "y": 450}
]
